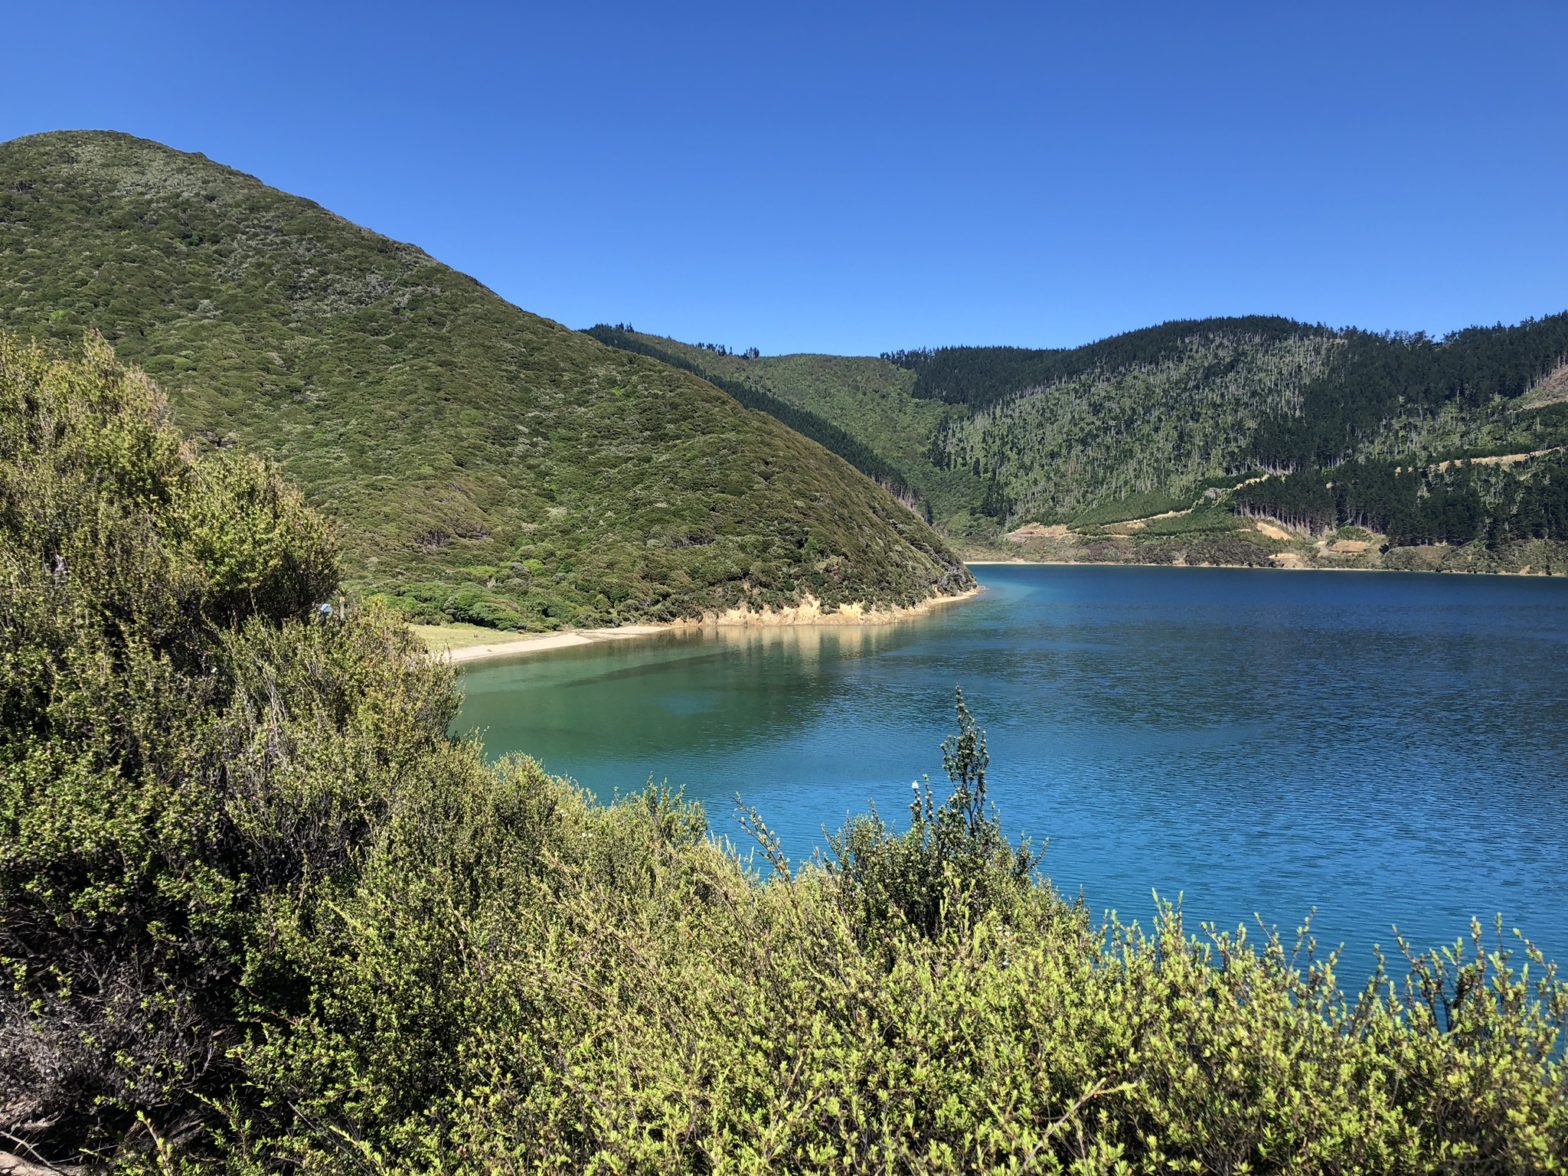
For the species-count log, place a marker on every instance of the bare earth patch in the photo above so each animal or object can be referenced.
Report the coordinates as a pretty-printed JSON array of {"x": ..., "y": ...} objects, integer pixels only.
[
  {"x": 1037, "y": 531},
  {"x": 1552, "y": 389},
  {"x": 810, "y": 612},
  {"x": 1504, "y": 459}
]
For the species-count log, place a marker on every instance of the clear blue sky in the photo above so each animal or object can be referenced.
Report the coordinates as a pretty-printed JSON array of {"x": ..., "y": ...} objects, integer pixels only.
[{"x": 854, "y": 177}]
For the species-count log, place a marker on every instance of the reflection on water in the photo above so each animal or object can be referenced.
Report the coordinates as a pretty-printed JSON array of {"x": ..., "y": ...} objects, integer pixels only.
[
  {"x": 647, "y": 707},
  {"x": 1389, "y": 749}
]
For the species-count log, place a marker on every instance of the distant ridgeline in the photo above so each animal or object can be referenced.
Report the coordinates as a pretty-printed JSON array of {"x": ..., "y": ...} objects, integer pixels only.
[
  {"x": 1327, "y": 428},
  {"x": 483, "y": 464},
  {"x": 862, "y": 408},
  {"x": 802, "y": 420}
]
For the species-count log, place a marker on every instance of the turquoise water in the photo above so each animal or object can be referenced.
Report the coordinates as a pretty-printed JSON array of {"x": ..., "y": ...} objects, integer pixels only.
[{"x": 1388, "y": 749}]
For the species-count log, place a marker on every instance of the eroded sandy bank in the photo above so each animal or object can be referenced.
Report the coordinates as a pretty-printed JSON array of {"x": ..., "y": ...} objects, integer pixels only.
[{"x": 810, "y": 612}]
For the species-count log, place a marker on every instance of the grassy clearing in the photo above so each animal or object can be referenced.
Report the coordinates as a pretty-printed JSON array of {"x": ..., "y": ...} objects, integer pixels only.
[
  {"x": 456, "y": 635},
  {"x": 1205, "y": 520},
  {"x": 1136, "y": 506}
]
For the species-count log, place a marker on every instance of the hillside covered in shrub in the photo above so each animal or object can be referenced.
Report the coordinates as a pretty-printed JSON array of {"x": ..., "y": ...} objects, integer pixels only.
[
  {"x": 259, "y": 913},
  {"x": 860, "y": 407},
  {"x": 482, "y": 463}
]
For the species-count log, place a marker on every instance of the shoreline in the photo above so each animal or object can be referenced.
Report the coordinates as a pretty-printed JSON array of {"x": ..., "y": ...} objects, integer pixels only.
[
  {"x": 1236, "y": 567},
  {"x": 808, "y": 612}
]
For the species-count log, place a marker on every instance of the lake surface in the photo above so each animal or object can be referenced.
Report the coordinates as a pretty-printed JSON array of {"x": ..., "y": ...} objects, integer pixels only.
[{"x": 1389, "y": 749}]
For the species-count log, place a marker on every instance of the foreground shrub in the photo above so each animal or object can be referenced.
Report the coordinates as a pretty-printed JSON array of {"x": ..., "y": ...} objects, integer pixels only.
[
  {"x": 184, "y": 743},
  {"x": 953, "y": 860},
  {"x": 587, "y": 988}
]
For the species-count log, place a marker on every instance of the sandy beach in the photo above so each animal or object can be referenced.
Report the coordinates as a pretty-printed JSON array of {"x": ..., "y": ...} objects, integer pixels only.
[
  {"x": 439, "y": 638},
  {"x": 518, "y": 644}
]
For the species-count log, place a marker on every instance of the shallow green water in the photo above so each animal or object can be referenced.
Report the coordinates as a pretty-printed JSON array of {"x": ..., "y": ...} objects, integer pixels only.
[{"x": 1385, "y": 748}]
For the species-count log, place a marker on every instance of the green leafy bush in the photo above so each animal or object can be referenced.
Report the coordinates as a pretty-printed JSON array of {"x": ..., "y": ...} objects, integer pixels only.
[
  {"x": 184, "y": 744},
  {"x": 953, "y": 861}
]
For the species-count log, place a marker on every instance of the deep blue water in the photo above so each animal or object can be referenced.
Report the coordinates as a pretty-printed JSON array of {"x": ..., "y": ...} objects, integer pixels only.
[{"x": 1388, "y": 749}]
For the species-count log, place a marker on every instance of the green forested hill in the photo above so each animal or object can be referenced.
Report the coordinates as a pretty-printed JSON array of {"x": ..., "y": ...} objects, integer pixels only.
[
  {"x": 483, "y": 463},
  {"x": 1166, "y": 410},
  {"x": 1148, "y": 422},
  {"x": 980, "y": 376},
  {"x": 862, "y": 408},
  {"x": 1152, "y": 428}
]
